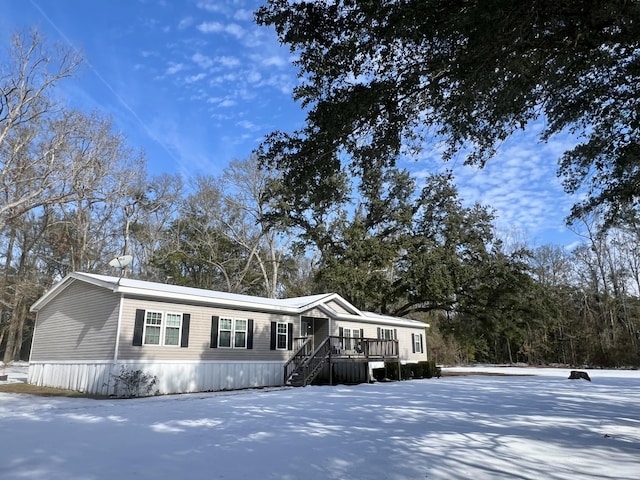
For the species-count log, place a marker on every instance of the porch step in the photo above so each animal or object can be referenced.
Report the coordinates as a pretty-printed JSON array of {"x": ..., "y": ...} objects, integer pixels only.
[{"x": 296, "y": 380}]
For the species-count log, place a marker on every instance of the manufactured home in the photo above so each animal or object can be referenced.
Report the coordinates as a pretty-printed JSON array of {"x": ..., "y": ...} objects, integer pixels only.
[{"x": 89, "y": 326}]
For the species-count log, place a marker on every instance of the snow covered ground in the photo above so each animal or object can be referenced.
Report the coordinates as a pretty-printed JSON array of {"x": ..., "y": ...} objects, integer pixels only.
[{"x": 481, "y": 427}]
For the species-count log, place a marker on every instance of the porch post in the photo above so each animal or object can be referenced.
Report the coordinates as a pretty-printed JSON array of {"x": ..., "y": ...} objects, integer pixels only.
[{"x": 330, "y": 364}]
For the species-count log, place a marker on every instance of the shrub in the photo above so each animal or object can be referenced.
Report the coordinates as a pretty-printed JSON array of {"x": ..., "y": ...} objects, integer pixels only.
[
  {"x": 417, "y": 370},
  {"x": 133, "y": 383},
  {"x": 429, "y": 369},
  {"x": 391, "y": 370}
]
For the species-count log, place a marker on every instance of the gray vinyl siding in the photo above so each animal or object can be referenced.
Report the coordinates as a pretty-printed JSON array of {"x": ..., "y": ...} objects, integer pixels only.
[
  {"x": 200, "y": 334},
  {"x": 78, "y": 324},
  {"x": 335, "y": 306},
  {"x": 315, "y": 312}
]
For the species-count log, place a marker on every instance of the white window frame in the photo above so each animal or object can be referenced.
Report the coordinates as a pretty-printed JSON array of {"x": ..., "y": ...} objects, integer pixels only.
[
  {"x": 237, "y": 330},
  {"x": 162, "y": 340},
  {"x": 280, "y": 334},
  {"x": 356, "y": 340},
  {"x": 233, "y": 331},
  {"x": 346, "y": 334},
  {"x": 417, "y": 342},
  {"x": 166, "y": 327},
  {"x": 384, "y": 332}
]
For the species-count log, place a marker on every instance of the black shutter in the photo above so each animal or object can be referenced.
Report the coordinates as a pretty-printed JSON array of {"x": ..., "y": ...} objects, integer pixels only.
[
  {"x": 214, "y": 332},
  {"x": 421, "y": 345},
  {"x": 138, "y": 328},
  {"x": 341, "y": 332},
  {"x": 395, "y": 334},
  {"x": 362, "y": 333},
  {"x": 290, "y": 336},
  {"x": 379, "y": 332},
  {"x": 274, "y": 327},
  {"x": 186, "y": 320},
  {"x": 249, "y": 334},
  {"x": 413, "y": 342}
]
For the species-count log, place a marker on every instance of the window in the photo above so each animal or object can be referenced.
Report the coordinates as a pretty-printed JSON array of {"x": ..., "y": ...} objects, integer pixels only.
[
  {"x": 346, "y": 340},
  {"x": 417, "y": 343},
  {"x": 226, "y": 330},
  {"x": 152, "y": 328},
  {"x": 357, "y": 345},
  {"x": 172, "y": 329},
  {"x": 386, "y": 334},
  {"x": 162, "y": 328},
  {"x": 240, "y": 334},
  {"x": 232, "y": 332},
  {"x": 281, "y": 336}
]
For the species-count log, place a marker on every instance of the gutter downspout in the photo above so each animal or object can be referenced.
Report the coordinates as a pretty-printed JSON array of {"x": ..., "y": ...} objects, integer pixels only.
[{"x": 117, "y": 347}]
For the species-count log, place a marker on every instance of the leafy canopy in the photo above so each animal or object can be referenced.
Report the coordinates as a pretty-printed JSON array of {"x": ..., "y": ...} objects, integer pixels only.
[{"x": 379, "y": 78}]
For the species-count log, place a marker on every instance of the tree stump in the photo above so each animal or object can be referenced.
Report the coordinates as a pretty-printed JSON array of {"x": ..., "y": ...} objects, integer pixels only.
[{"x": 577, "y": 374}]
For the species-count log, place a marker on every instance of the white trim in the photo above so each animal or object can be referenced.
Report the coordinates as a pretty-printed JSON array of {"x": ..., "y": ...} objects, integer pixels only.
[
  {"x": 118, "y": 329},
  {"x": 145, "y": 361},
  {"x": 286, "y": 335},
  {"x": 33, "y": 337}
]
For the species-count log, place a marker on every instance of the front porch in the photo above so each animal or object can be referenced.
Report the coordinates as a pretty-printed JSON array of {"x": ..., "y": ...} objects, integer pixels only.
[{"x": 307, "y": 363}]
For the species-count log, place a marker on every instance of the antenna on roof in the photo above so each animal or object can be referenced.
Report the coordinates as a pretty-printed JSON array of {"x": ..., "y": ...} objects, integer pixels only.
[{"x": 121, "y": 262}]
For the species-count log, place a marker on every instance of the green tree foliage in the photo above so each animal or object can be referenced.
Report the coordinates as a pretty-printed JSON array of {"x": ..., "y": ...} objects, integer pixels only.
[{"x": 379, "y": 78}]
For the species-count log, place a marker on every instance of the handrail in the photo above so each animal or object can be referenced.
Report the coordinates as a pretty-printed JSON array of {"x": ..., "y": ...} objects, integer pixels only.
[
  {"x": 298, "y": 357},
  {"x": 312, "y": 364}
]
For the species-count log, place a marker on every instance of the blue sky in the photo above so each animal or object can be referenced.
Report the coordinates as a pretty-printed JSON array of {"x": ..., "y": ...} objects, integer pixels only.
[{"x": 196, "y": 84}]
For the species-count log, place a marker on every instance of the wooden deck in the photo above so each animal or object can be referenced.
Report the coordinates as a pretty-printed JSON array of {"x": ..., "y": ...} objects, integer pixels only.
[{"x": 307, "y": 362}]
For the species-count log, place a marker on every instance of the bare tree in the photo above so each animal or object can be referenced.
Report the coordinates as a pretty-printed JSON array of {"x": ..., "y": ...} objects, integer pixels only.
[
  {"x": 246, "y": 222},
  {"x": 30, "y": 173}
]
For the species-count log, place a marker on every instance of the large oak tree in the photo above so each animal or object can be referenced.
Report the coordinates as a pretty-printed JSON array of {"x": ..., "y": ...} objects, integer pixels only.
[{"x": 380, "y": 78}]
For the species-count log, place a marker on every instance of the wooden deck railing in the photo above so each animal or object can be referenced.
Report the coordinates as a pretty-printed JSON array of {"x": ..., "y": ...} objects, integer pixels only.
[{"x": 364, "y": 348}]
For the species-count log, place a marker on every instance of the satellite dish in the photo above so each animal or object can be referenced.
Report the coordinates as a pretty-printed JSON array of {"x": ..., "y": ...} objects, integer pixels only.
[{"x": 121, "y": 261}]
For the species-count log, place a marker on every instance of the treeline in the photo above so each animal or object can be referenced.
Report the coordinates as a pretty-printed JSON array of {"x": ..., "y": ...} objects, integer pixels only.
[{"x": 75, "y": 195}]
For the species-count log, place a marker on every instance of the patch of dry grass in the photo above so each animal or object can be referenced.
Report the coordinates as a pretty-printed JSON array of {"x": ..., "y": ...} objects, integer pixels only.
[{"x": 44, "y": 391}]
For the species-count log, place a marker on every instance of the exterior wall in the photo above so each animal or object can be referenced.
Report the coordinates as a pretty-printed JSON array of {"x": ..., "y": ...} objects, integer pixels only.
[
  {"x": 315, "y": 312},
  {"x": 337, "y": 307},
  {"x": 78, "y": 324},
  {"x": 200, "y": 335},
  {"x": 173, "y": 377}
]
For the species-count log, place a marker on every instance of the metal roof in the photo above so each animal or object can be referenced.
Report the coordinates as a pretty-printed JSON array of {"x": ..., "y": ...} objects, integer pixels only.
[{"x": 168, "y": 292}]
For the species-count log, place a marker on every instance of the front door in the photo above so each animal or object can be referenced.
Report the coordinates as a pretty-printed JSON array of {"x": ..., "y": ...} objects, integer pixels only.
[{"x": 316, "y": 328}]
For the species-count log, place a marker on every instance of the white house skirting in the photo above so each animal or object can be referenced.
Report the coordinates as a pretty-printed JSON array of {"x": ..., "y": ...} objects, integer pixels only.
[{"x": 173, "y": 377}]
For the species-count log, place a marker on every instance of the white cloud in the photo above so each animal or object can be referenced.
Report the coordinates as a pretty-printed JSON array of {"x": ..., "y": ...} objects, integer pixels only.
[
  {"x": 274, "y": 61},
  {"x": 248, "y": 125},
  {"x": 202, "y": 60},
  {"x": 243, "y": 14},
  {"x": 195, "y": 78},
  {"x": 174, "y": 68},
  {"x": 254, "y": 77},
  {"x": 185, "y": 23},
  {"x": 232, "y": 29},
  {"x": 228, "y": 61}
]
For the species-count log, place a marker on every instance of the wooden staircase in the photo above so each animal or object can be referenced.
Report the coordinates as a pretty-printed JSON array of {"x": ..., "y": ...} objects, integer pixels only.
[{"x": 305, "y": 365}]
